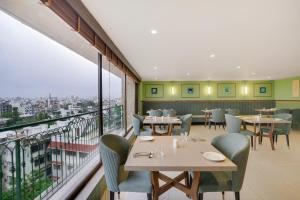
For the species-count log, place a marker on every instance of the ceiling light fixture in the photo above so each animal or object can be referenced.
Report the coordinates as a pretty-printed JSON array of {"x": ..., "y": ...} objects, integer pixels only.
[
  {"x": 238, "y": 67},
  {"x": 155, "y": 68},
  {"x": 268, "y": 77},
  {"x": 212, "y": 55},
  {"x": 153, "y": 31},
  {"x": 188, "y": 74},
  {"x": 253, "y": 73},
  {"x": 155, "y": 78}
]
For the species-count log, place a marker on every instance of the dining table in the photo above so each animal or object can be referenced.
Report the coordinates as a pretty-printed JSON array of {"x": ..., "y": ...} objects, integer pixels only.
[
  {"x": 266, "y": 110},
  {"x": 169, "y": 121},
  {"x": 258, "y": 120},
  {"x": 186, "y": 157}
]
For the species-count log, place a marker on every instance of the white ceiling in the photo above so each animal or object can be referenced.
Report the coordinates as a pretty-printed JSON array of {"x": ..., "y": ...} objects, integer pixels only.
[
  {"x": 47, "y": 22},
  {"x": 260, "y": 36}
]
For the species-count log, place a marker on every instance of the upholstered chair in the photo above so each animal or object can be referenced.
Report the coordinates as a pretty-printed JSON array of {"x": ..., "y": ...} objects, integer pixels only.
[
  {"x": 114, "y": 152},
  {"x": 186, "y": 122},
  {"x": 235, "y": 147},
  {"x": 217, "y": 116},
  {"x": 138, "y": 129},
  {"x": 233, "y": 125}
]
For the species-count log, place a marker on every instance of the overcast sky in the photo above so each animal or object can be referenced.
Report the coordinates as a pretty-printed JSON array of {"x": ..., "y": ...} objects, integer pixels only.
[{"x": 33, "y": 65}]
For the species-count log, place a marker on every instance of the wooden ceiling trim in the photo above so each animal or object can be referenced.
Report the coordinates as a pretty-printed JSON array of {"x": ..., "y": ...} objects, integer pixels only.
[
  {"x": 85, "y": 30},
  {"x": 100, "y": 45},
  {"x": 63, "y": 9}
]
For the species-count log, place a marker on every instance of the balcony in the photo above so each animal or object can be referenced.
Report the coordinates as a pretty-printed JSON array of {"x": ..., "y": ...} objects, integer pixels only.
[{"x": 35, "y": 165}]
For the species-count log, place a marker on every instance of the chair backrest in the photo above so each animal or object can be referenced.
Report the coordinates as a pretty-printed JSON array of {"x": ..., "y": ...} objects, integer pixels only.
[
  {"x": 114, "y": 152},
  {"x": 236, "y": 147},
  {"x": 232, "y": 111},
  {"x": 284, "y": 127},
  {"x": 218, "y": 115},
  {"x": 157, "y": 113},
  {"x": 233, "y": 124},
  {"x": 186, "y": 122},
  {"x": 169, "y": 112},
  {"x": 137, "y": 124},
  {"x": 141, "y": 118}
]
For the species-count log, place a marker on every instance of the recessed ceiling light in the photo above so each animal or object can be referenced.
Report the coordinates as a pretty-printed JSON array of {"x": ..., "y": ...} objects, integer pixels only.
[
  {"x": 253, "y": 73},
  {"x": 212, "y": 55},
  {"x": 238, "y": 67},
  {"x": 155, "y": 78},
  {"x": 155, "y": 68},
  {"x": 208, "y": 78},
  {"x": 153, "y": 31},
  {"x": 188, "y": 74},
  {"x": 268, "y": 77}
]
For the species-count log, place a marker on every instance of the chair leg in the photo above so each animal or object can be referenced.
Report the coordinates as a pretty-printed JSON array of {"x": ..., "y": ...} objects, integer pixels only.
[
  {"x": 209, "y": 124},
  {"x": 251, "y": 139},
  {"x": 276, "y": 138},
  {"x": 237, "y": 195},
  {"x": 200, "y": 196},
  {"x": 287, "y": 140},
  {"x": 223, "y": 195},
  {"x": 149, "y": 196},
  {"x": 111, "y": 195},
  {"x": 215, "y": 125},
  {"x": 119, "y": 197}
]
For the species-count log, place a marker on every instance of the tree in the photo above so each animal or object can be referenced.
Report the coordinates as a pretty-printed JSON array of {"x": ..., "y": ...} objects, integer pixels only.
[{"x": 33, "y": 185}]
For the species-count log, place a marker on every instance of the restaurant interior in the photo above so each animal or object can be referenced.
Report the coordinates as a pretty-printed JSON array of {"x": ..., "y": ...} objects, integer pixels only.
[{"x": 209, "y": 104}]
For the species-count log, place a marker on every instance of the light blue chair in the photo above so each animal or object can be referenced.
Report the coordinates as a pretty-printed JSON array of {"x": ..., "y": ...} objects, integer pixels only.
[
  {"x": 169, "y": 112},
  {"x": 138, "y": 129},
  {"x": 186, "y": 122},
  {"x": 114, "y": 152},
  {"x": 235, "y": 147},
  {"x": 280, "y": 129},
  {"x": 233, "y": 111},
  {"x": 233, "y": 125},
  {"x": 157, "y": 113},
  {"x": 217, "y": 116}
]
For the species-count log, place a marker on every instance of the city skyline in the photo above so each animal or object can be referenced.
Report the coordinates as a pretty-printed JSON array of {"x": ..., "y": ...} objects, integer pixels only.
[{"x": 47, "y": 67}]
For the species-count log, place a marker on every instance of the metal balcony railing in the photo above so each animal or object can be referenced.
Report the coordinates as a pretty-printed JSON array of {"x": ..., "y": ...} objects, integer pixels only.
[{"x": 38, "y": 158}]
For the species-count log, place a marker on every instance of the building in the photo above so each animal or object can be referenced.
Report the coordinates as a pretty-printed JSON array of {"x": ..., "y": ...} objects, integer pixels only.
[{"x": 5, "y": 107}]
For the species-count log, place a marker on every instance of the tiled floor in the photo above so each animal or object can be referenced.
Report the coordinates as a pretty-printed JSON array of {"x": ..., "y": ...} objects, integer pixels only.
[{"x": 270, "y": 175}]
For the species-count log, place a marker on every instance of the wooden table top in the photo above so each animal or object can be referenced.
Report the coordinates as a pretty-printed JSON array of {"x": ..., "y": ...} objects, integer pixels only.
[
  {"x": 264, "y": 120},
  {"x": 161, "y": 120},
  {"x": 207, "y": 111},
  {"x": 266, "y": 110},
  {"x": 188, "y": 157}
]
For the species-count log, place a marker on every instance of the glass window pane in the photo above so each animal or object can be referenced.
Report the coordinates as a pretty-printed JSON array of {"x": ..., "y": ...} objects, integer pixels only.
[{"x": 130, "y": 101}]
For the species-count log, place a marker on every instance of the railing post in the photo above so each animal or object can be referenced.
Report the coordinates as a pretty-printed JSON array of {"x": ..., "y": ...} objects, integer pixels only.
[{"x": 18, "y": 171}]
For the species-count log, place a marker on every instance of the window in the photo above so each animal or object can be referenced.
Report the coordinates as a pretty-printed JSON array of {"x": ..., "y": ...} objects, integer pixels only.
[
  {"x": 130, "y": 100},
  {"x": 113, "y": 92}
]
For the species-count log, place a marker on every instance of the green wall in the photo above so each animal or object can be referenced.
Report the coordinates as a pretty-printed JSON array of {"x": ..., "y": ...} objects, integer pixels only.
[
  {"x": 200, "y": 90},
  {"x": 278, "y": 90},
  {"x": 283, "y": 93}
]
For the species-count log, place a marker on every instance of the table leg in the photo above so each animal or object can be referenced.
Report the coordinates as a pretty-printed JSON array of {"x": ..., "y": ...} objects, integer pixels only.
[
  {"x": 254, "y": 137},
  {"x": 171, "y": 126},
  {"x": 195, "y": 186},
  {"x": 271, "y": 136},
  {"x": 205, "y": 119},
  {"x": 155, "y": 183},
  {"x": 153, "y": 129}
]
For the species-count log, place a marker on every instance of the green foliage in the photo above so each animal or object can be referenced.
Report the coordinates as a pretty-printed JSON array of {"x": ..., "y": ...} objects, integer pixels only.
[
  {"x": 15, "y": 118},
  {"x": 34, "y": 184}
]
